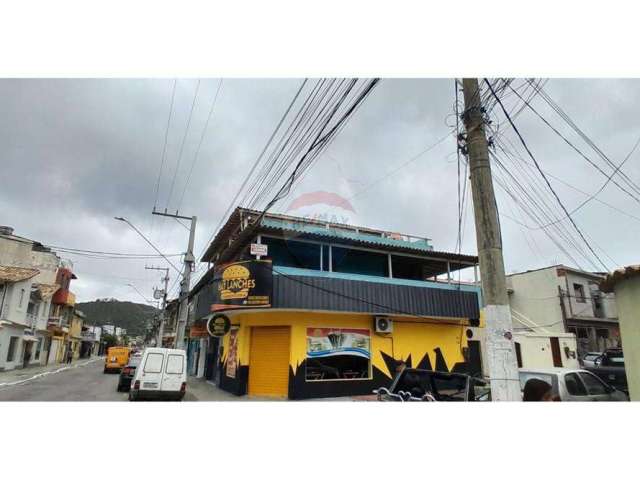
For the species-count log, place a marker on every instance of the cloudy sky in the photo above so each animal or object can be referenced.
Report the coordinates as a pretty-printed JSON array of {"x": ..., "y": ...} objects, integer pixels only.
[{"x": 76, "y": 153}]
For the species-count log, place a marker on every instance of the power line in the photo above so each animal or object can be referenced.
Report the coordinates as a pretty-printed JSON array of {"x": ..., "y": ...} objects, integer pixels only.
[
  {"x": 204, "y": 131},
  {"x": 164, "y": 148},
  {"x": 255, "y": 164},
  {"x": 116, "y": 254},
  {"x": 568, "y": 142},
  {"x": 184, "y": 137},
  {"x": 545, "y": 178}
]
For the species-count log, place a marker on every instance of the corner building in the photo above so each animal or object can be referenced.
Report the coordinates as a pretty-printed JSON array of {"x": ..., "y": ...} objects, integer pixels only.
[{"x": 334, "y": 310}]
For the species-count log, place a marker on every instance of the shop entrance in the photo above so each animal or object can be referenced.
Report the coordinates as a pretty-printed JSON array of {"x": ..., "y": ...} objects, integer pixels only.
[{"x": 269, "y": 361}]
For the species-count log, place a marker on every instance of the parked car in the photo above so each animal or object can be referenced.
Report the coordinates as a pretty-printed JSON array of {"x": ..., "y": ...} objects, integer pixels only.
[
  {"x": 589, "y": 359},
  {"x": 117, "y": 357},
  {"x": 161, "y": 374},
  {"x": 128, "y": 372},
  {"x": 573, "y": 385},
  {"x": 609, "y": 366},
  {"x": 415, "y": 385}
]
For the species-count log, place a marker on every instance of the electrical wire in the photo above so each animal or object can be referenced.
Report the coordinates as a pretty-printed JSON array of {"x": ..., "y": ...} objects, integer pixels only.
[
  {"x": 184, "y": 137},
  {"x": 545, "y": 178}
]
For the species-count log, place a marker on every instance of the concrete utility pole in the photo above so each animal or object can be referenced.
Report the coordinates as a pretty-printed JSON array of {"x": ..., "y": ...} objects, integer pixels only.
[
  {"x": 164, "y": 301},
  {"x": 503, "y": 367},
  {"x": 189, "y": 261}
]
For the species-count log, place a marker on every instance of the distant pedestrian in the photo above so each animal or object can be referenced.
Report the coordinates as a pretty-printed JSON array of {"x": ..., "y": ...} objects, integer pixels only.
[
  {"x": 536, "y": 390},
  {"x": 69, "y": 356}
]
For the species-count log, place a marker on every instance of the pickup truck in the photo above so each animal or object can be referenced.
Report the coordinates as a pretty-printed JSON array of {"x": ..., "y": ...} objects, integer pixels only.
[{"x": 610, "y": 368}]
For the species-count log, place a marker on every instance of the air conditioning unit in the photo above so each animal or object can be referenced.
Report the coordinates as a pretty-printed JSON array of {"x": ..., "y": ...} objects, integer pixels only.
[{"x": 383, "y": 324}]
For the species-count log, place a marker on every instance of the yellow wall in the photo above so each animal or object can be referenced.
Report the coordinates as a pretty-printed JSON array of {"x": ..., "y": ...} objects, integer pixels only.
[
  {"x": 410, "y": 336},
  {"x": 75, "y": 329}
]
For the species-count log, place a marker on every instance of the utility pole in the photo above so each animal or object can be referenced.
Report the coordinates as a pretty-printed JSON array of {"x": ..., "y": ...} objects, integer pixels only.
[
  {"x": 502, "y": 363},
  {"x": 189, "y": 261},
  {"x": 164, "y": 301}
]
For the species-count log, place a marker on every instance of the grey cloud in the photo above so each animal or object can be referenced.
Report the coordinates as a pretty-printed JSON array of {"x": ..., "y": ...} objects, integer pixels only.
[{"x": 75, "y": 153}]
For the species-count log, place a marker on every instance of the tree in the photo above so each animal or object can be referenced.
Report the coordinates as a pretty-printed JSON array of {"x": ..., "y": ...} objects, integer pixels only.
[{"x": 109, "y": 340}]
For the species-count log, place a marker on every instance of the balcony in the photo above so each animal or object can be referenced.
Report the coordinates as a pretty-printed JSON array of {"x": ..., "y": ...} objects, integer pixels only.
[
  {"x": 64, "y": 297},
  {"x": 297, "y": 288}
]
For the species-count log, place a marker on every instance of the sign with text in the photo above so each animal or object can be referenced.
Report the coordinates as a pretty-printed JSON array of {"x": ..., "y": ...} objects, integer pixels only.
[
  {"x": 259, "y": 249},
  {"x": 243, "y": 285},
  {"x": 199, "y": 330},
  {"x": 218, "y": 325}
]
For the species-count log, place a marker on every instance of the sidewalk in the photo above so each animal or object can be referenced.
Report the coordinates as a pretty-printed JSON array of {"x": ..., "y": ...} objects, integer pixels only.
[
  {"x": 198, "y": 389},
  {"x": 12, "y": 377}
]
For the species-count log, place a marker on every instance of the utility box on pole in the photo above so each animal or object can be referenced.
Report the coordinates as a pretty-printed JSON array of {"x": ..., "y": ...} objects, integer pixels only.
[{"x": 501, "y": 356}]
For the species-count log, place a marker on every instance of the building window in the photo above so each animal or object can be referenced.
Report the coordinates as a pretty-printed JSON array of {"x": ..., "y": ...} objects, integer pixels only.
[
  {"x": 361, "y": 262},
  {"x": 292, "y": 253},
  {"x": 602, "y": 333},
  {"x": 578, "y": 291},
  {"x": 13, "y": 343},
  {"x": 38, "y": 349},
  {"x": 583, "y": 333},
  {"x": 338, "y": 354}
]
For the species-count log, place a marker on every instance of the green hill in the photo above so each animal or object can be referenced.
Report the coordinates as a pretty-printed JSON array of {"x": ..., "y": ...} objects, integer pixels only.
[{"x": 109, "y": 311}]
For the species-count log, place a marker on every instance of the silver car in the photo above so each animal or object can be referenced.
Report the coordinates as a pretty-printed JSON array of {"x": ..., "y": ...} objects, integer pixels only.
[
  {"x": 590, "y": 359},
  {"x": 574, "y": 385}
]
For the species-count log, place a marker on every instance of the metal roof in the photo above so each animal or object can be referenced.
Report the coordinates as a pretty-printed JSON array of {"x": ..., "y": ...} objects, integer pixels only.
[
  {"x": 231, "y": 237},
  {"x": 338, "y": 233}
]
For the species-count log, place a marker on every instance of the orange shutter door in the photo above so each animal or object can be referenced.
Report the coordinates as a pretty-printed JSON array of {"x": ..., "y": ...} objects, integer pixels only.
[{"x": 269, "y": 361}]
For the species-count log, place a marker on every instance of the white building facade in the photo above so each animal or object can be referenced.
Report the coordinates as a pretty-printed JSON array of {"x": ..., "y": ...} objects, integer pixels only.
[
  {"x": 560, "y": 300},
  {"x": 27, "y": 283}
]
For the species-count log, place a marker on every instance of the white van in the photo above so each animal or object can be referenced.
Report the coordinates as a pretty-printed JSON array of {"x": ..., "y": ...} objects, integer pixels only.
[{"x": 162, "y": 374}]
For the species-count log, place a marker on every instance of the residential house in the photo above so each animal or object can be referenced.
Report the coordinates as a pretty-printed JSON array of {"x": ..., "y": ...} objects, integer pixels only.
[
  {"x": 334, "y": 309},
  {"x": 554, "y": 301},
  {"x": 75, "y": 332},
  {"x": 28, "y": 273},
  {"x": 62, "y": 312}
]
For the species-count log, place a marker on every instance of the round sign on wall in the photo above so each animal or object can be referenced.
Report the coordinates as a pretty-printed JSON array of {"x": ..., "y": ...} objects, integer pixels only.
[{"x": 218, "y": 325}]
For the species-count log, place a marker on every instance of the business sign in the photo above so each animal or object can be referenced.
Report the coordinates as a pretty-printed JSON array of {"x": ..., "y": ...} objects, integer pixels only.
[
  {"x": 243, "y": 285},
  {"x": 259, "y": 249},
  {"x": 218, "y": 325},
  {"x": 199, "y": 330}
]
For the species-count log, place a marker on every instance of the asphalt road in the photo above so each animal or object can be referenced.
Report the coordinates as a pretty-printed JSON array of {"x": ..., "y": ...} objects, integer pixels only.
[{"x": 84, "y": 383}]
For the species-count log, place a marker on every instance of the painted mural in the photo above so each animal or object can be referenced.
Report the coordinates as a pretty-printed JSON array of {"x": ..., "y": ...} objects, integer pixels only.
[{"x": 414, "y": 342}]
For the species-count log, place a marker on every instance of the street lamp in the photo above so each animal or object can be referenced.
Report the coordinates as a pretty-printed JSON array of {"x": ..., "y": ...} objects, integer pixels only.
[{"x": 122, "y": 219}]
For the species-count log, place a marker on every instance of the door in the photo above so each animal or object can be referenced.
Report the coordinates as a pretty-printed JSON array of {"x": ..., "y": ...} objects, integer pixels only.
[
  {"x": 555, "y": 352},
  {"x": 27, "y": 353},
  {"x": 269, "y": 361},
  {"x": 576, "y": 390},
  {"x": 152, "y": 368},
  {"x": 475, "y": 358},
  {"x": 53, "y": 350},
  {"x": 174, "y": 371},
  {"x": 596, "y": 388}
]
